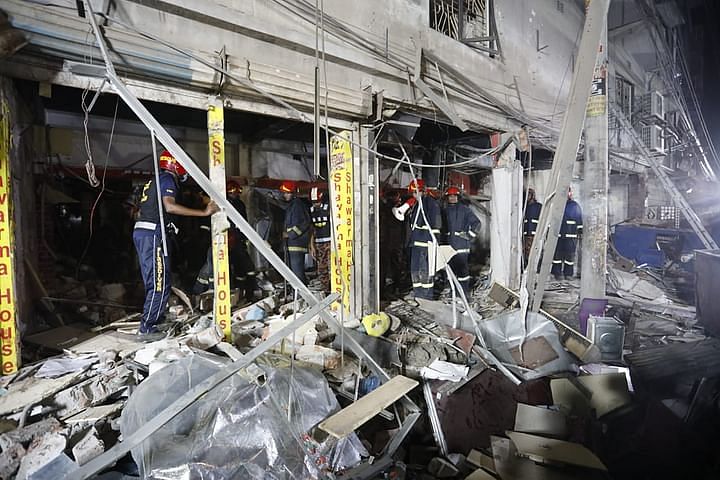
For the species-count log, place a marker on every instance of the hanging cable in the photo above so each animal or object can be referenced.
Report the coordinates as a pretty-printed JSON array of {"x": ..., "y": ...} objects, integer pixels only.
[{"x": 102, "y": 190}]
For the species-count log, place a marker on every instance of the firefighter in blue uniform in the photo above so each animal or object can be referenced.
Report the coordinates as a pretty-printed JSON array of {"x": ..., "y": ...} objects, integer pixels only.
[
  {"x": 460, "y": 224},
  {"x": 530, "y": 222},
  {"x": 242, "y": 268},
  {"x": 420, "y": 238},
  {"x": 147, "y": 236},
  {"x": 570, "y": 231},
  {"x": 297, "y": 231}
]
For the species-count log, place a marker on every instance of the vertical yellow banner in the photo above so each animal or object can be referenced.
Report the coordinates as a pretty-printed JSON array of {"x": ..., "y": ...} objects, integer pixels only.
[
  {"x": 341, "y": 176},
  {"x": 8, "y": 330},
  {"x": 221, "y": 269}
]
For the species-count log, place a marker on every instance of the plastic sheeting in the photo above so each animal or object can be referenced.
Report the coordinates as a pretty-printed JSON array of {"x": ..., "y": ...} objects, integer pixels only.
[
  {"x": 542, "y": 353},
  {"x": 240, "y": 429}
]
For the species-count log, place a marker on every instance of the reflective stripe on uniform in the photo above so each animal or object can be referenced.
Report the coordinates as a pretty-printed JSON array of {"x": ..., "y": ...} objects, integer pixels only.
[
  {"x": 463, "y": 250},
  {"x": 533, "y": 220},
  {"x": 202, "y": 281},
  {"x": 463, "y": 279},
  {"x": 472, "y": 234},
  {"x": 205, "y": 227},
  {"x": 421, "y": 244},
  {"x": 571, "y": 235},
  {"x": 297, "y": 249},
  {"x": 423, "y": 285},
  {"x": 569, "y": 263},
  {"x": 571, "y": 222},
  {"x": 557, "y": 262},
  {"x": 296, "y": 230},
  {"x": 322, "y": 240},
  {"x": 146, "y": 225}
]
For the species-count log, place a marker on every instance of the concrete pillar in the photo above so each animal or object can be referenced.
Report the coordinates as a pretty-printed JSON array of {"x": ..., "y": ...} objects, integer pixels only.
[
  {"x": 219, "y": 221},
  {"x": 505, "y": 222},
  {"x": 594, "y": 194}
]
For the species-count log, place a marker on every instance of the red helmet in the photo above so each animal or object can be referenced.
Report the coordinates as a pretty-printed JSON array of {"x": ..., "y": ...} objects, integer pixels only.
[
  {"x": 316, "y": 195},
  {"x": 169, "y": 163},
  {"x": 452, "y": 191},
  {"x": 417, "y": 184},
  {"x": 233, "y": 188},
  {"x": 288, "y": 187}
]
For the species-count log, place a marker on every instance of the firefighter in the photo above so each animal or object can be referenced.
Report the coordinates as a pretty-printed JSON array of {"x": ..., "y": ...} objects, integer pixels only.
[
  {"x": 392, "y": 238},
  {"x": 570, "y": 231},
  {"x": 320, "y": 216},
  {"x": 420, "y": 238},
  {"x": 461, "y": 224},
  {"x": 241, "y": 266},
  {"x": 298, "y": 229},
  {"x": 147, "y": 236},
  {"x": 530, "y": 223}
]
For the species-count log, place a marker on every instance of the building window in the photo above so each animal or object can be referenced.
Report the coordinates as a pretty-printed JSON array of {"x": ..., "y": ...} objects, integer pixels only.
[
  {"x": 469, "y": 21},
  {"x": 624, "y": 93}
]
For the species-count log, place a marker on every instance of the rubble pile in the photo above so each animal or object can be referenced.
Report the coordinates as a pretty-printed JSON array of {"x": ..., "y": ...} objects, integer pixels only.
[{"x": 421, "y": 390}]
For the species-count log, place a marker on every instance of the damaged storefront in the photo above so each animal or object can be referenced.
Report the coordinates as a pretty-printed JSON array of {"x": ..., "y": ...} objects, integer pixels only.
[{"x": 387, "y": 240}]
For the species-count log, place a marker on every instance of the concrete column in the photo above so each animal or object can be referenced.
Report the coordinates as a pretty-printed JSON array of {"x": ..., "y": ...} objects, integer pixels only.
[
  {"x": 366, "y": 271},
  {"x": 594, "y": 194},
  {"x": 219, "y": 221},
  {"x": 505, "y": 222}
]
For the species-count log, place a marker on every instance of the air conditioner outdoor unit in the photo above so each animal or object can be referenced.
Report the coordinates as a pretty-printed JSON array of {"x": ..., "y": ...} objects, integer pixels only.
[
  {"x": 653, "y": 105},
  {"x": 653, "y": 139}
]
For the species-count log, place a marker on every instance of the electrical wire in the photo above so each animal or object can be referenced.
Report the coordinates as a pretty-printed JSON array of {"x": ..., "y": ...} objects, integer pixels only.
[{"x": 102, "y": 190}]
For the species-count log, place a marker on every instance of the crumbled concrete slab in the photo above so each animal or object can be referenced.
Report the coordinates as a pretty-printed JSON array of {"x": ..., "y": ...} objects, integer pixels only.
[
  {"x": 92, "y": 391},
  {"x": 27, "y": 434},
  {"x": 88, "y": 448},
  {"x": 10, "y": 460},
  {"x": 34, "y": 390},
  {"x": 42, "y": 451}
]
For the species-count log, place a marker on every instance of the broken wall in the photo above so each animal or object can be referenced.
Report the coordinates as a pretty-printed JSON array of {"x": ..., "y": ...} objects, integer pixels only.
[{"x": 22, "y": 157}]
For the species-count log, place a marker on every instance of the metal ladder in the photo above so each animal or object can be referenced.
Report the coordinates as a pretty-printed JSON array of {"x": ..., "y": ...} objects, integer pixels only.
[{"x": 666, "y": 182}]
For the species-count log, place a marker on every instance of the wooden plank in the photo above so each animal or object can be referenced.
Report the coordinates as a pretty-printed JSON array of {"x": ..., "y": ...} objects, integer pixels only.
[
  {"x": 479, "y": 474},
  {"x": 350, "y": 418},
  {"x": 540, "y": 421},
  {"x": 478, "y": 459},
  {"x": 550, "y": 450},
  {"x": 61, "y": 337},
  {"x": 94, "y": 414}
]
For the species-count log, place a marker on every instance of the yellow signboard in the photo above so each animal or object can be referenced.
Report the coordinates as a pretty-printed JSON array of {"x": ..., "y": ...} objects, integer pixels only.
[
  {"x": 341, "y": 176},
  {"x": 8, "y": 331},
  {"x": 221, "y": 269}
]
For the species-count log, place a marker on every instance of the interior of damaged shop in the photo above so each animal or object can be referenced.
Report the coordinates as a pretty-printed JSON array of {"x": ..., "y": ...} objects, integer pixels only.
[{"x": 378, "y": 241}]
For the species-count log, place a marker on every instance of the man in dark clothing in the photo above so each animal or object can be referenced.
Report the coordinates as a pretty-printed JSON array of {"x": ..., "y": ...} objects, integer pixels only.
[
  {"x": 461, "y": 224},
  {"x": 392, "y": 245},
  {"x": 530, "y": 222},
  {"x": 147, "y": 236},
  {"x": 242, "y": 270},
  {"x": 570, "y": 231},
  {"x": 297, "y": 230},
  {"x": 421, "y": 238},
  {"x": 320, "y": 216}
]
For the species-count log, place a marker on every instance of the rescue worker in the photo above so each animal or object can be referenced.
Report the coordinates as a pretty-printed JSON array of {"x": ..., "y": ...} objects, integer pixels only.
[
  {"x": 392, "y": 238},
  {"x": 320, "y": 216},
  {"x": 147, "y": 236},
  {"x": 461, "y": 224},
  {"x": 241, "y": 266},
  {"x": 297, "y": 230},
  {"x": 530, "y": 222},
  {"x": 570, "y": 231},
  {"x": 420, "y": 238}
]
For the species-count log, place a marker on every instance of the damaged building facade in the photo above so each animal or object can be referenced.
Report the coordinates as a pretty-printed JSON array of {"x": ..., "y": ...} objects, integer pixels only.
[{"x": 357, "y": 100}]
